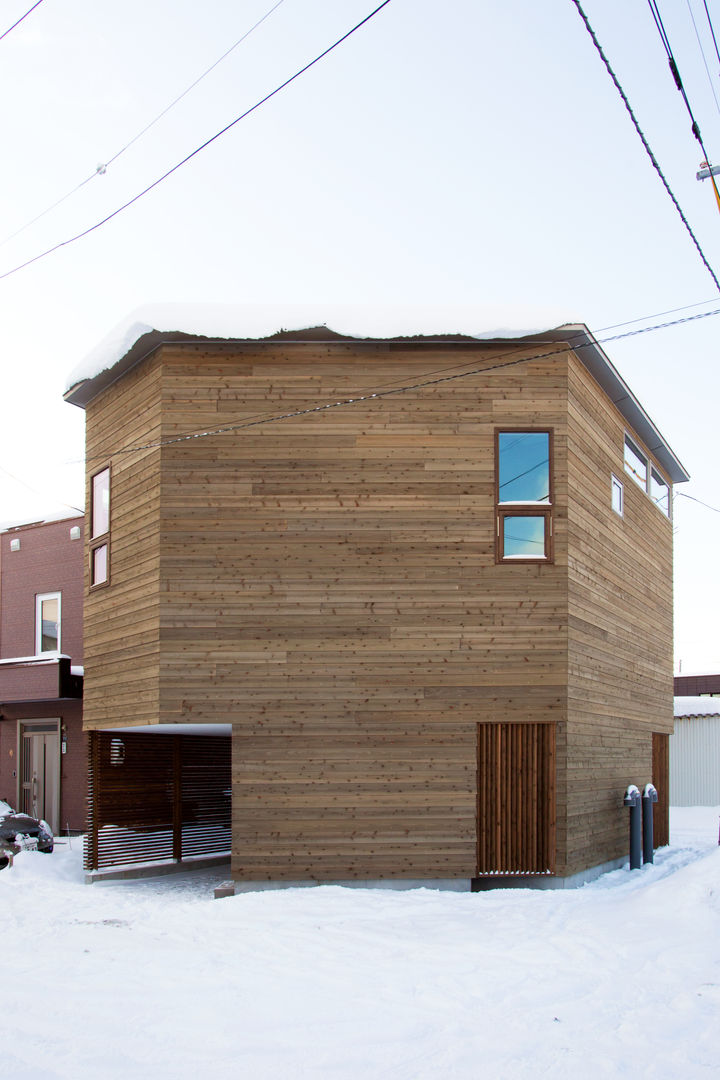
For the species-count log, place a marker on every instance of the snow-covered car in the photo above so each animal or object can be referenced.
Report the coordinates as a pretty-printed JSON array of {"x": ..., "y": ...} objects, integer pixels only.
[{"x": 20, "y": 832}]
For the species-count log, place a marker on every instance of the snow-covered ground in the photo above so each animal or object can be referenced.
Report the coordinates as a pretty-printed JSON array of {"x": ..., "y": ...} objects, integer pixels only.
[{"x": 155, "y": 979}]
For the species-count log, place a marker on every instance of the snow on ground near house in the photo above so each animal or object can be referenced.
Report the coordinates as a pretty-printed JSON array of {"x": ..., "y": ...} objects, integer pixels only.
[{"x": 154, "y": 979}]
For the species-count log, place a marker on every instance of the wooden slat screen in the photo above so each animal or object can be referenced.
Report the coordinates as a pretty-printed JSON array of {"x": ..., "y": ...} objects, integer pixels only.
[
  {"x": 156, "y": 797},
  {"x": 661, "y": 780},
  {"x": 516, "y": 799}
]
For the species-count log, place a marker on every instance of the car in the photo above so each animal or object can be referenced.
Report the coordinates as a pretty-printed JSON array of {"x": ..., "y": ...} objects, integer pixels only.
[{"x": 20, "y": 832}]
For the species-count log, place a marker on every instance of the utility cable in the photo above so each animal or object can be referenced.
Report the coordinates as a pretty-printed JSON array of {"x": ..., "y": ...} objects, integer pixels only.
[
  {"x": 22, "y": 17},
  {"x": 373, "y": 395},
  {"x": 199, "y": 149},
  {"x": 702, "y": 53},
  {"x": 693, "y": 499},
  {"x": 695, "y": 127},
  {"x": 644, "y": 141},
  {"x": 712, "y": 31},
  {"x": 656, "y": 315},
  {"x": 36, "y": 491},
  {"x": 102, "y": 168}
]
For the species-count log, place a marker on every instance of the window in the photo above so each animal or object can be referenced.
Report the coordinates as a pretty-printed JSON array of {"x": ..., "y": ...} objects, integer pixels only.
[
  {"x": 660, "y": 492},
  {"x": 99, "y": 528},
  {"x": 47, "y": 623},
  {"x": 524, "y": 495},
  {"x": 635, "y": 463},
  {"x": 646, "y": 476},
  {"x": 617, "y": 495}
]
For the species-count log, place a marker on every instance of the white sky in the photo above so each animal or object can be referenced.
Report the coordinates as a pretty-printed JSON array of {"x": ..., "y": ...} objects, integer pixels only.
[{"x": 469, "y": 153}]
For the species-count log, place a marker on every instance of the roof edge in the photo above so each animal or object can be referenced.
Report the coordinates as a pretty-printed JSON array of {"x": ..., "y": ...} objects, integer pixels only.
[{"x": 577, "y": 336}]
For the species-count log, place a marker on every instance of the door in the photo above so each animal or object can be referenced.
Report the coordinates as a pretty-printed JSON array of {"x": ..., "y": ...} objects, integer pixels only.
[{"x": 40, "y": 772}]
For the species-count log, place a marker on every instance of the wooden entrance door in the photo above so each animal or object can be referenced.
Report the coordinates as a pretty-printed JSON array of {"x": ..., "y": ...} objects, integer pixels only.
[{"x": 40, "y": 772}]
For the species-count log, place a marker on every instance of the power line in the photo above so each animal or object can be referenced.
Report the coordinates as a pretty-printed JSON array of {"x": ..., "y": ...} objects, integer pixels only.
[
  {"x": 676, "y": 73},
  {"x": 693, "y": 499},
  {"x": 6, "y": 32},
  {"x": 702, "y": 53},
  {"x": 36, "y": 491},
  {"x": 657, "y": 315},
  {"x": 102, "y": 169},
  {"x": 712, "y": 31},
  {"x": 644, "y": 141},
  {"x": 369, "y": 395},
  {"x": 198, "y": 149}
]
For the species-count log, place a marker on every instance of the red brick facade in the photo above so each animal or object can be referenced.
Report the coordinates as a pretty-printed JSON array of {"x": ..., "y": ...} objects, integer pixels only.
[{"x": 46, "y": 692}]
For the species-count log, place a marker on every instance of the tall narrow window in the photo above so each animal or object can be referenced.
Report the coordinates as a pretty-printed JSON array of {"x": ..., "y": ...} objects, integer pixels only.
[
  {"x": 635, "y": 463},
  {"x": 659, "y": 492},
  {"x": 524, "y": 495},
  {"x": 47, "y": 623},
  {"x": 100, "y": 528}
]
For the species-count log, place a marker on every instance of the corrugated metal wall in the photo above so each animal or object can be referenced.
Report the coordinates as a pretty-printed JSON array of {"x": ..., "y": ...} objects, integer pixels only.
[{"x": 695, "y": 761}]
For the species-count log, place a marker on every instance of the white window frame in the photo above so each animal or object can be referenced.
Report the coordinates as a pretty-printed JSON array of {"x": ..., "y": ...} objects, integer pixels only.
[
  {"x": 39, "y": 600},
  {"x": 617, "y": 495},
  {"x": 651, "y": 471}
]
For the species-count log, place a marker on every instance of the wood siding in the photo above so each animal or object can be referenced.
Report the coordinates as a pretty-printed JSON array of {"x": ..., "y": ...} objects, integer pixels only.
[
  {"x": 122, "y": 631},
  {"x": 327, "y": 584},
  {"x": 330, "y": 588},
  {"x": 619, "y": 627}
]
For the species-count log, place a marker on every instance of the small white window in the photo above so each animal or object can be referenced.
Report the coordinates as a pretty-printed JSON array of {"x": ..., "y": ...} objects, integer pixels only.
[
  {"x": 617, "y": 495},
  {"x": 47, "y": 623}
]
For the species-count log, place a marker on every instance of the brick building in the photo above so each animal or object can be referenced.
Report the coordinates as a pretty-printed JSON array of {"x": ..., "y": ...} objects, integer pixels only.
[{"x": 42, "y": 745}]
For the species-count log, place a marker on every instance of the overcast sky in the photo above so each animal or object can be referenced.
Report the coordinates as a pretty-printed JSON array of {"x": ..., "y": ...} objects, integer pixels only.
[{"x": 468, "y": 153}]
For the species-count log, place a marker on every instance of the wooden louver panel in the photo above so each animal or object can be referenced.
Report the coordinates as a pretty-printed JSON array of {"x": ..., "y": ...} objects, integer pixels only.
[
  {"x": 155, "y": 797},
  {"x": 516, "y": 799}
]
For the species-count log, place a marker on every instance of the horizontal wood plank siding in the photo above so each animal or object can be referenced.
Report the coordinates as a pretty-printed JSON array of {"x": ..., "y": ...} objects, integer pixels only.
[
  {"x": 122, "y": 645},
  {"x": 330, "y": 589},
  {"x": 620, "y": 630},
  {"x": 326, "y": 583}
]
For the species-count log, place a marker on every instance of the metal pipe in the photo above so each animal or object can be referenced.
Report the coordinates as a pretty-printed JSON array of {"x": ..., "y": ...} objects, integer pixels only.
[
  {"x": 649, "y": 796},
  {"x": 634, "y": 801}
]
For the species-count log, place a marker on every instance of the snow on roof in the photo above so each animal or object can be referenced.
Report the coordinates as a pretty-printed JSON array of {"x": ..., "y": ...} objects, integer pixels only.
[
  {"x": 47, "y": 519},
  {"x": 697, "y": 706},
  {"x": 148, "y": 328},
  {"x": 253, "y": 322}
]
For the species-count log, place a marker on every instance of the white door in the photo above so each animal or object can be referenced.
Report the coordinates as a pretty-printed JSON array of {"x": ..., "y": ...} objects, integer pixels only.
[{"x": 40, "y": 775}]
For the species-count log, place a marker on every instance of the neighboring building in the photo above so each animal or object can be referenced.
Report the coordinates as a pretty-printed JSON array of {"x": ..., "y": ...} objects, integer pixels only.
[
  {"x": 695, "y": 752},
  {"x": 697, "y": 685},
  {"x": 43, "y": 754},
  {"x": 422, "y": 586}
]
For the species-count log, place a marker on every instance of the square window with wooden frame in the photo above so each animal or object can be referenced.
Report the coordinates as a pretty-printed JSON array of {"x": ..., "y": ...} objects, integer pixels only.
[
  {"x": 100, "y": 528},
  {"x": 523, "y": 495}
]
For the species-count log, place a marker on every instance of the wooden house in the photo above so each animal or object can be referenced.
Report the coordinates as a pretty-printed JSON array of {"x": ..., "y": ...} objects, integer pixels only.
[
  {"x": 43, "y": 749},
  {"x": 402, "y": 606}
]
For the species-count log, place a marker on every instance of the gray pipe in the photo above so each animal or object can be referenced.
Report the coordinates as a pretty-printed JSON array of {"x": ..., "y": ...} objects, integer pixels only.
[
  {"x": 633, "y": 800},
  {"x": 649, "y": 796}
]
